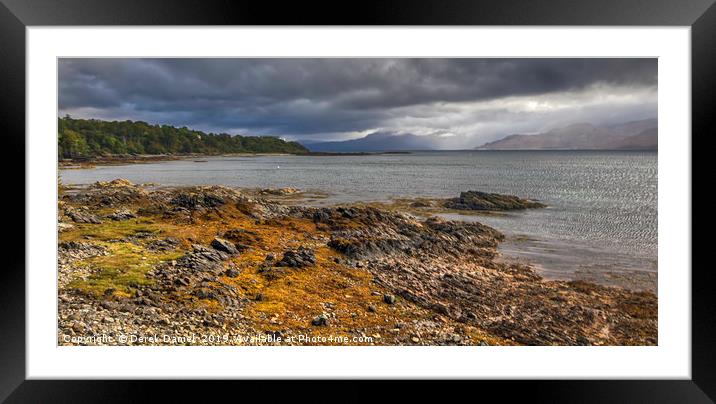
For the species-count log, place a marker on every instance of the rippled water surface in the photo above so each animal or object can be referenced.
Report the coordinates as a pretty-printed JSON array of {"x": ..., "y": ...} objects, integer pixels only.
[{"x": 601, "y": 222}]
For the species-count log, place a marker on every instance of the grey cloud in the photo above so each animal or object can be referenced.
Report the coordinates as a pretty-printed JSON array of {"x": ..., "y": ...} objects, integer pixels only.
[{"x": 311, "y": 98}]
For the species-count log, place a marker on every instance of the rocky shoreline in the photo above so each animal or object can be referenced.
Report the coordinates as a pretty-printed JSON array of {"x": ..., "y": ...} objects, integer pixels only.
[
  {"x": 217, "y": 265},
  {"x": 121, "y": 159}
]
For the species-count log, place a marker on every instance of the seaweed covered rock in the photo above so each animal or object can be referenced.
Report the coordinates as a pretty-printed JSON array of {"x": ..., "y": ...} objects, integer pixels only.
[{"x": 476, "y": 200}]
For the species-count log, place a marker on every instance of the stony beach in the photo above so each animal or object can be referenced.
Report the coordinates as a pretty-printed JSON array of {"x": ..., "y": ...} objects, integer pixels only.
[{"x": 215, "y": 265}]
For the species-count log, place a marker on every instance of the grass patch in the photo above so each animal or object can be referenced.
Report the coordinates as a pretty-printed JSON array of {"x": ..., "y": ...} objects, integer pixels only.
[
  {"x": 122, "y": 270},
  {"x": 112, "y": 230}
]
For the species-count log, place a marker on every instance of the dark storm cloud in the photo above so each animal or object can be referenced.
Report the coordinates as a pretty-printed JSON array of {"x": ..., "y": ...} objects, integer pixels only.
[{"x": 309, "y": 97}]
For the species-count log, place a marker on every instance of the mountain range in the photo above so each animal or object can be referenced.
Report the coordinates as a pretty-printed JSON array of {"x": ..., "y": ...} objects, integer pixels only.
[
  {"x": 378, "y": 142},
  {"x": 634, "y": 135}
]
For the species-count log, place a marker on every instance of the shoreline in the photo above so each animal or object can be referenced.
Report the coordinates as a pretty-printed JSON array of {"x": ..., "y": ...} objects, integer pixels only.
[
  {"x": 150, "y": 259},
  {"x": 89, "y": 162}
]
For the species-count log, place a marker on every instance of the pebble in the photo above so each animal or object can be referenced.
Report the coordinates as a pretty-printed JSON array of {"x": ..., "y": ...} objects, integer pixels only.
[{"x": 320, "y": 320}]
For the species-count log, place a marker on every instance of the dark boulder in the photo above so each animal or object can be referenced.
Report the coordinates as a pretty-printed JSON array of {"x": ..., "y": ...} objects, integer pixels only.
[
  {"x": 476, "y": 200},
  {"x": 302, "y": 257},
  {"x": 224, "y": 245}
]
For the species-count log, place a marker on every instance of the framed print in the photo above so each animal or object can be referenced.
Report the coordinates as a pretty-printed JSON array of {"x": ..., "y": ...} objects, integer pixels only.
[{"x": 435, "y": 191}]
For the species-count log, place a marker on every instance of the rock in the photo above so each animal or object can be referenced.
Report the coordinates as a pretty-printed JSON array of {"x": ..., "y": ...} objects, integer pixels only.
[
  {"x": 372, "y": 308},
  {"x": 80, "y": 216},
  {"x": 476, "y": 200},
  {"x": 242, "y": 238},
  {"x": 122, "y": 214},
  {"x": 116, "y": 183},
  {"x": 79, "y": 327},
  {"x": 203, "y": 259},
  {"x": 279, "y": 191},
  {"x": 224, "y": 245},
  {"x": 421, "y": 204},
  {"x": 74, "y": 250},
  {"x": 581, "y": 340},
  {"x": 415, "y": 340},
  {"x": 203, "y": 198},
  {"x": 389, "y": 299},
  {"x": 232, "y": 273},
  {"x": 302, "y": 257},
  {"x": 320, "y": 320},
  {"x": 62, "y": 226},
  {"x": 441, "y": 308},
  {"x": 165, "y": 244}
]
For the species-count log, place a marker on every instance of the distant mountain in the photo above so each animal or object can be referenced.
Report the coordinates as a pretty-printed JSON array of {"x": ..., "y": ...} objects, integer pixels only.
[
  {"x": 377, "y": 142},
  {"x": 583, "y": 136}
]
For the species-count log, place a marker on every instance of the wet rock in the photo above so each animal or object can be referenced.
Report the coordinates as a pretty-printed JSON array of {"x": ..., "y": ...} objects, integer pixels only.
[
  {"x": 224, "y": 245},
  {"x": 476, "y": 200}
]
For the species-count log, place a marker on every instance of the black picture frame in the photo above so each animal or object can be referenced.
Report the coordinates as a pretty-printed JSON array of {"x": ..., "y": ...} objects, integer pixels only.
[{"x": 16, "y": 15}]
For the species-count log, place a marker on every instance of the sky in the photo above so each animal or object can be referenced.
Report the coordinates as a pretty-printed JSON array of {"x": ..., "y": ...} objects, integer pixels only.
[{"x": 462, "y": 103}]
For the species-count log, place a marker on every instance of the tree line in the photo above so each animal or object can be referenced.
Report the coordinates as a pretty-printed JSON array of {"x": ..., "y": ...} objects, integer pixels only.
[{"x": 85, "y": 138}]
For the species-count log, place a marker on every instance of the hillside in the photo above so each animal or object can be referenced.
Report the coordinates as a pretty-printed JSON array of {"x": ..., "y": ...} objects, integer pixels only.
[
  {"x": 86, "y": 138},
  {"x": 377, "y": 142},
  {"x": 583, "y": 136}
]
